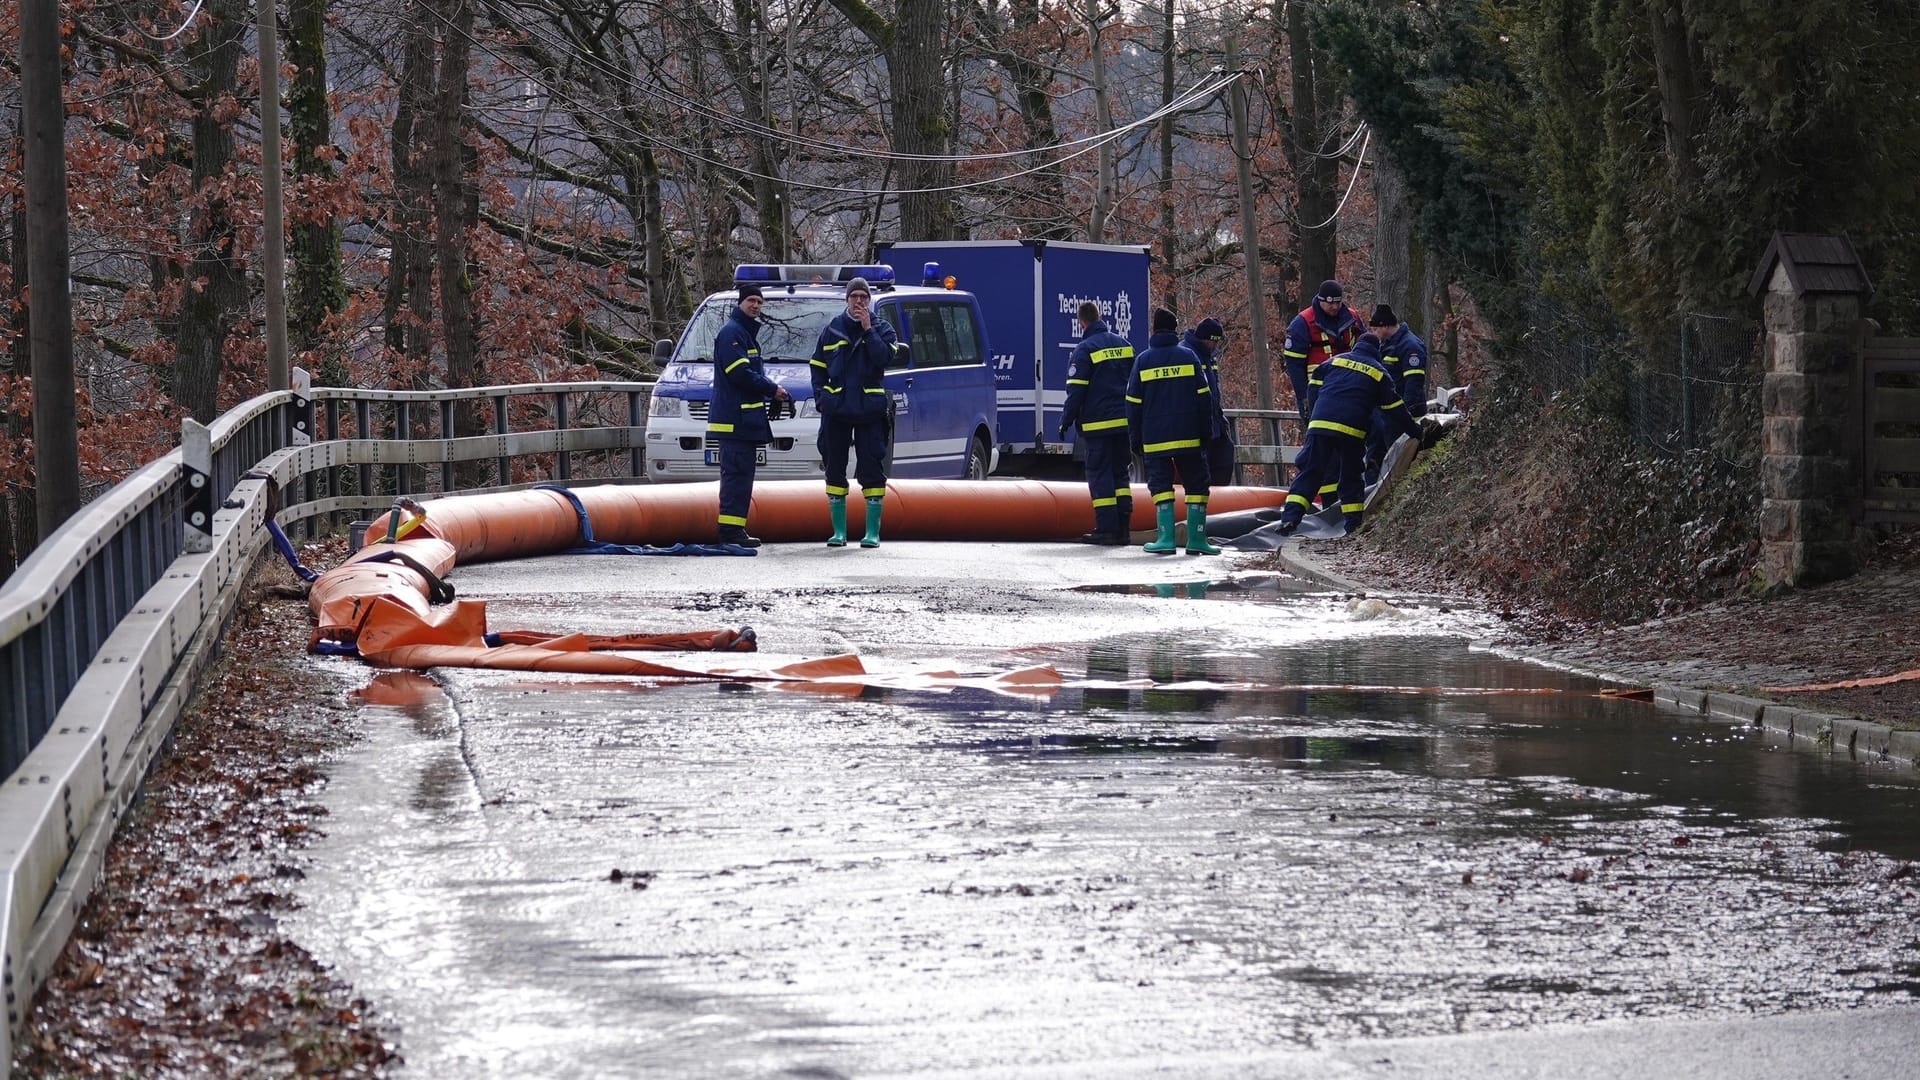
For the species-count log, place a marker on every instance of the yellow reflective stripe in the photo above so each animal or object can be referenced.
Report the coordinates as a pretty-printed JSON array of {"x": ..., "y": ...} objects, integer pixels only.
[
  {"x": 1171, "y": 371},
  {"x": 1104, "y": 425},
  {"x": 873, "y": 493},
  {"x": 1204, "y": 389},
  {"x": 1177, "y": 444},
  {"x": 736, "y": 363},
  {"x": 729, "y": 519},
  {"x": 821, "y": 364},
  {"x": 1162, "y": 496},
  {"x": 1328, "y": 425},
  {"x": 876, "y": 389},
  {"x": 1314, "y": 379},
  {"x": 1294, "y": 355},
  {"x": 753, "y": 404},
  {"x": 1121, "y": 352},
  {"x": 1352, "y": 508},
  {"x": 1328, "y": 489},
  {"x": 1108, "y": 501},
  {"x": 832, "y": 346},
  {"x": 1368, "y": 370},
  {"x": 1196, "y": 500},
  {"x": 1133, "y": 399},
  {"x": 1079, "y": 382},
  {"x": 1394, "y": 404},
  {"x": 721, "y": 428},
  {"x": 1415, "y": 371},
  {"x": 833, "y": 490},
  {"x": 831, "y": 389},
  {"x": 1292, "y": 498},
  {"x": 1123, "y": 493}
]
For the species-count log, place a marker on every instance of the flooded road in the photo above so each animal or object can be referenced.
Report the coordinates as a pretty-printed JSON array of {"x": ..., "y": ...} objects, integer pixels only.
[{"x": 1321, "y": 822}]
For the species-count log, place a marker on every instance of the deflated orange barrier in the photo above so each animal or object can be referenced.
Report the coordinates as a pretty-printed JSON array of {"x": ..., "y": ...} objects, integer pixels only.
[
  {"x": 390, "y": 601},
  {"x": 1849, "y": 684}
]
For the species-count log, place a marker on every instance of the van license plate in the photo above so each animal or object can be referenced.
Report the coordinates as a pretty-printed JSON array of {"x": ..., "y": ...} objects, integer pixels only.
[{"x": 759, "y": 456}]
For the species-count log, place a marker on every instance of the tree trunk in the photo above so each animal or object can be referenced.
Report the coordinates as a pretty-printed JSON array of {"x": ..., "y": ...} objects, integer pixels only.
[
  {"x": 409, "y": 287},
  {"x": 1169, "y": 236},
  {"x": 19, "y": 513},
  {"x": 216, "y": 291},
  {"x": 451, "y": 221},
  {"x": 319, "y": 281},
  {"x": 1392, "y": 238},
  {"x": 1307, "y": 129},
  {"x": 1103, "y": 122},
  {"x": 749, "y": 67},
  {"x": 1674, "y": 65}
]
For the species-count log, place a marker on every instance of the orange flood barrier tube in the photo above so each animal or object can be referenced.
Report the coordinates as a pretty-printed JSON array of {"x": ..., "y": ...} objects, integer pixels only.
[{"x": 381, "y": 598}]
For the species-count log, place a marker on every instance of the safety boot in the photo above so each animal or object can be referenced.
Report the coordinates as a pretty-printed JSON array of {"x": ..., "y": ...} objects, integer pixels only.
[
  {"x": 1105, "y": 532},
  {"x": 1123, "y": 521},
  {"x": 872, "y": 539},
  {"x": 837, "y": 509},
  {"x": 734, "y": 534},
  {"x": 1197, "y": 531},
  {"x": 1162, "y": 544}
]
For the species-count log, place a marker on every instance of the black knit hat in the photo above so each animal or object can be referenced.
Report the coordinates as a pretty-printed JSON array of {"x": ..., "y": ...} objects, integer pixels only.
[
  {"x": 1164, "y": 321},
  {"x": 1383, "y": 316},
  {"x": 1209, "y": 329},
  {"x": 749, "y": 289},
  {"x": 1330, "y": 290}
]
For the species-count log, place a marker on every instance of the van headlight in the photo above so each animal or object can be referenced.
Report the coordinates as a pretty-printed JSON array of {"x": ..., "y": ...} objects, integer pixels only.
[
  {"x": 803, "y": 408},
  {"x": 666, "y": 406}
]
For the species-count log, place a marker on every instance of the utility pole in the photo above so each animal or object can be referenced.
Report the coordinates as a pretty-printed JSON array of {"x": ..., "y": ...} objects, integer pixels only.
[
  {"x": 1250, "y": 239},
  {"x": 56, "y": 439},
  {"x": 275, "y": 223}
]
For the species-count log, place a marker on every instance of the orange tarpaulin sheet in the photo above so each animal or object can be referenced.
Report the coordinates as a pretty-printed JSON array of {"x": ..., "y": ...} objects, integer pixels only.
[{"x": 1849, "y": 684}]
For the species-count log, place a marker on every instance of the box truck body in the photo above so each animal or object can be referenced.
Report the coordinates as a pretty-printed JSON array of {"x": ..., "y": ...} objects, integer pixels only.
[{"x": 1030, "y": 292}]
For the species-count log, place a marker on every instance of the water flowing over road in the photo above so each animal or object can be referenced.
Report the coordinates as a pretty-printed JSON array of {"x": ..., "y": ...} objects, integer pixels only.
[{"x": 1259, "y": 826}]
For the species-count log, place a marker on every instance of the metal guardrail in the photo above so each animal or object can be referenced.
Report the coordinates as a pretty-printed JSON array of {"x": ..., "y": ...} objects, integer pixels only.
[{"x": 106, "y": 628}]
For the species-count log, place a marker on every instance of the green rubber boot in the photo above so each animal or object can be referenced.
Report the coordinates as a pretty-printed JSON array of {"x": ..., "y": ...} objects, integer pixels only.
[
  {"x": 872, "y": 539},
  {"x": 837, "y": 509},
  {"x": 1162, "y": 544},
  {"x": 1197, "y": 531}
]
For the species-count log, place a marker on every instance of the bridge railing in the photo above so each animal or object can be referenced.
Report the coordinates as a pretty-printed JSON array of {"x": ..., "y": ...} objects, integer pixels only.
[{"x": 107, "y": 626}]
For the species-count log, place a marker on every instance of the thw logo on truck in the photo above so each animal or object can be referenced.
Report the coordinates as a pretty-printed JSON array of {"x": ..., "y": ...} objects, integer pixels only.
[{"x": 1117, "y": 313}]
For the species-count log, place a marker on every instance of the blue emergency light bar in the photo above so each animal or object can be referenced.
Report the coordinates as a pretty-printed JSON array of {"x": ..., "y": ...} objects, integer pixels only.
[{"x": 879, "y": 276}]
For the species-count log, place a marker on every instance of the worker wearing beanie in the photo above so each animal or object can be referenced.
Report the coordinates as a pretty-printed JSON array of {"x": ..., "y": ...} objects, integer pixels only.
[
  {"x": 1170, "y": 415},
  {"x": 737, "y": 418},
  {"x": 1405, "y": 358},
  {"x": 1355, "y": 384},
  {"x": 1207, "y": 339},
  {"x": 1097, "y": 375},
  {"x": 848, "y": 370},
  {"x": 1322, "y": 330}
]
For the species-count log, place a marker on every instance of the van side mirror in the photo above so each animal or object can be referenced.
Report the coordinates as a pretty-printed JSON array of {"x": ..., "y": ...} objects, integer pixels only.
[
  {"x": 902, "y": 357},
  {"x": 662, "y": 349}
]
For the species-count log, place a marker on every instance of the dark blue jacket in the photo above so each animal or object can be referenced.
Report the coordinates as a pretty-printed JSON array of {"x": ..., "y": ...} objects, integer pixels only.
[
  {"x": 1169, "y": 403},
  {"x": 741, "y": 389},
  {"x": 1210, "y": 363},
  {"x": 1097, "y": 374},
  {"x": 1352, "y": 386},
  {"x": 1405, "y": 356},
  {"x": 849, "y": 369}
]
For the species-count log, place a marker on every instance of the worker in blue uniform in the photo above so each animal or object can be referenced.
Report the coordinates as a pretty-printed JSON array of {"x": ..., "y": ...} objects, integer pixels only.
[
  {"x": 1097, "y": 375},
  {"x": 1353, "y": 386},
  {"x": 1169, "y": 417},
  {"x": 737, "y": 417},
  {"x": 848, "y": 371},
  {"x": 1323, "y": 329},
  {"x": 1405, "y": 357},
  {"x": 1207, "y": 338}
]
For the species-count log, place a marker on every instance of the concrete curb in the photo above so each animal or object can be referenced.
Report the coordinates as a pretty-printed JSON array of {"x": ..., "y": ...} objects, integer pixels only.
[{"x": 1803, "y": 729}]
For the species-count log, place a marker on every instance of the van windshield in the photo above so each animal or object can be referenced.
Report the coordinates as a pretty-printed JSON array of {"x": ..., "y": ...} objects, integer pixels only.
[{"x": 789, "y": 327}]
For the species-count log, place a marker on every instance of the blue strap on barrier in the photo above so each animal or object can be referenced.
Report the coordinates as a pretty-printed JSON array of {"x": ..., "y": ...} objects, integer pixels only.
[
  {"x": 335, "y": 648},
  {"x": 590, "y": 546},
  {"x": 285, "y": 545}
]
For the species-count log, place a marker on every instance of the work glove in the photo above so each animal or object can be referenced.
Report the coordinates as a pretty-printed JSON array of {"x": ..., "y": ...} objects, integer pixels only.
[
  {"x": 1430, "y": 432},
  {"x": 1064, "y": 428}
]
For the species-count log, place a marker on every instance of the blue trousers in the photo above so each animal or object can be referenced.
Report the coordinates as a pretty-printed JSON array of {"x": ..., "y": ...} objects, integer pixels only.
[
  {"x": 1193, "y": 476},
  {"x": 1108, "y": 458},
  {"x": 736, "y": 482},
  {"x": 868, "y": 440},
  {"x": 1329, "y": 457}
]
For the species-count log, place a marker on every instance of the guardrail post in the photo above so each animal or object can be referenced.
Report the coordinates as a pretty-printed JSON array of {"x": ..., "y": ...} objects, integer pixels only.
[
  {"x": 446, "y": 432},
  {"x": 560, "y": 424},
  {"x": 500, "y": 426},
  {"x": 363, "y": 429},
  {"x": 403, "y": 430},
  {"x": 196, "y": 510},
  {"x": 636, "y": 417}
]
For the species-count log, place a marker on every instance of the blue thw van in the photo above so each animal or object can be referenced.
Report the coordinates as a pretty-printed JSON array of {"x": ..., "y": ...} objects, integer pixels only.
[{"x": 941, "y": 385}]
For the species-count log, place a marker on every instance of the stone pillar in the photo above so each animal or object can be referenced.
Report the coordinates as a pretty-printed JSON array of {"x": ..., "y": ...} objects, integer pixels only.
[{"x": 1810, "y": 483}]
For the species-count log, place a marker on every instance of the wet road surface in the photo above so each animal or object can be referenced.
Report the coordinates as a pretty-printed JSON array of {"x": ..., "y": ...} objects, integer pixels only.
[{"x": 1246, "y": 868}]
